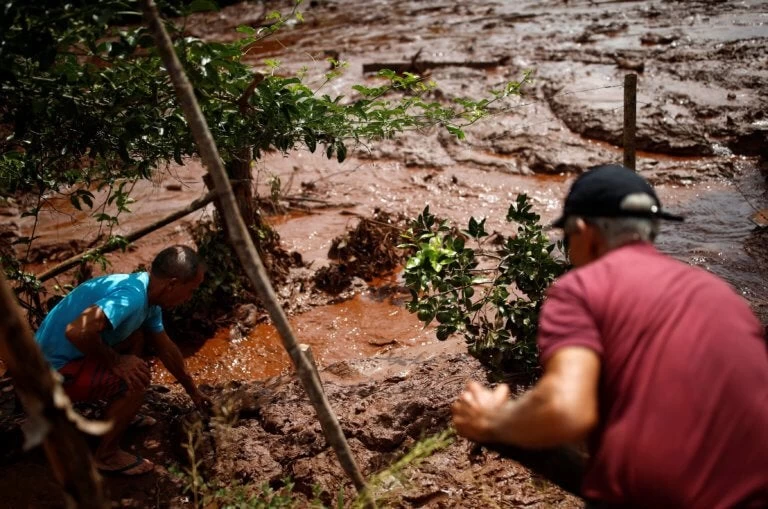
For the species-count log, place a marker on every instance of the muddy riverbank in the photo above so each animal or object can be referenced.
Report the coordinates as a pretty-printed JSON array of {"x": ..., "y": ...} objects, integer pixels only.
[{"x": 702, "y": 67}]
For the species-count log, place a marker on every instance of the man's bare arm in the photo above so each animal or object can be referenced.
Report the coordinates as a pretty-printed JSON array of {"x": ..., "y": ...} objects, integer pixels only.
[
  {"x": 171, "y": 357},
  {"x": 561, "y": 408},
  {"x": 85, "y": 333}
]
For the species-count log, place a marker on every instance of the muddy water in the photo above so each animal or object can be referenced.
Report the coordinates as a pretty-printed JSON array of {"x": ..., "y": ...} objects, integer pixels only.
[
  {"x": 569, "y": 119},
  {"x": 357, "y": 328}
]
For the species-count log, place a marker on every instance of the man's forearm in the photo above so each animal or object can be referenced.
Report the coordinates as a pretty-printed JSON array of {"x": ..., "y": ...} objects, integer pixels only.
[
  {"x": 536, "y": 419},
  {"x": 170, "y": 355}
]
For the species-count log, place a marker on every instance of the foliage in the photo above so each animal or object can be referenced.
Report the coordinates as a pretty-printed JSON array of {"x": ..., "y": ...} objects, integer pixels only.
[
  {"x": 85, "y": 102},
  {"x": 221, "y": 290},
  {"x": 444, "y": 275}
]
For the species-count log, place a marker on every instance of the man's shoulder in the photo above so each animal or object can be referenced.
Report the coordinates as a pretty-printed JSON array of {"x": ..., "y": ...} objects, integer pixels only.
[
  {"x": 619, "y": 265},
  {"x": 114, "y": 284},
  {"x": 637, "y": 268}
]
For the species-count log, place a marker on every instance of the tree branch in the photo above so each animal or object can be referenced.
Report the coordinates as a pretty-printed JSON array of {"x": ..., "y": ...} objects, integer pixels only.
[{"x": 107, "y": 247}]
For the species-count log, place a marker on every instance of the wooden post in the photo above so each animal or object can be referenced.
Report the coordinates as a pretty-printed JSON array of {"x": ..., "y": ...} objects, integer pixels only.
[
  {"x": 64, "y": 444},
  {"x": 630, "y": 119},
  {"x": 306, "y": 351},
  {"x": 246, "y": 250}
]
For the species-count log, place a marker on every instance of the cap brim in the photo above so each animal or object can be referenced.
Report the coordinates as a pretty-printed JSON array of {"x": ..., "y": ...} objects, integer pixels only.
[{"x": 559, "y": 223}]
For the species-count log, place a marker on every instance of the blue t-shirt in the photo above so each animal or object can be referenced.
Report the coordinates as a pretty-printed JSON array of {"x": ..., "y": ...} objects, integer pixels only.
[{"x": 122, "y": 297}]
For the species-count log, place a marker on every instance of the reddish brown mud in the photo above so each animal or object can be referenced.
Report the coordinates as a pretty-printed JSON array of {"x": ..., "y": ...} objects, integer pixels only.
[{"x": 702, "y": 98}]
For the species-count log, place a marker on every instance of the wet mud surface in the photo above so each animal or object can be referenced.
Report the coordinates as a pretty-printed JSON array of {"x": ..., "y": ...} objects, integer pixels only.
[
  {"x": 276, "y": 434},
  {"x": 702, "y": 69}
]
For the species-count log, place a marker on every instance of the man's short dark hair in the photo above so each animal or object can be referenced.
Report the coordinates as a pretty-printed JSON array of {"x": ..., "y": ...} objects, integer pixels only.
[{"x": 180, "y": 262}]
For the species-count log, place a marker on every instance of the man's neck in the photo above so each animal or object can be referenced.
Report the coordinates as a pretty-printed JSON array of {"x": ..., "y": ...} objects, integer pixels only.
[{"x": 154, "y": 289}]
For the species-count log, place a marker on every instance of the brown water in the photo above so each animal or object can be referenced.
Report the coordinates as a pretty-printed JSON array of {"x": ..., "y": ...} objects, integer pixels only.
[
  {"x": 573, "y": 46},
  {"x": 354, "y": 329}
]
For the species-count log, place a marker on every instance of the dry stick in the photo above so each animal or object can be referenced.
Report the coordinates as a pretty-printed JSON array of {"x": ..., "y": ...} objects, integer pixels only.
[
  {"x": 107, "y": 248},
  {"x": 630, "y": 119},
  {"x": 244, "y": 246},
  {"x": 64, "y": 445}
]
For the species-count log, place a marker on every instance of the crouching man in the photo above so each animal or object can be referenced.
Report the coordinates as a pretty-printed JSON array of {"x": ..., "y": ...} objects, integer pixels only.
[
  {"x": 662, "y": 367},
  {"x": 94, "y": 338}
]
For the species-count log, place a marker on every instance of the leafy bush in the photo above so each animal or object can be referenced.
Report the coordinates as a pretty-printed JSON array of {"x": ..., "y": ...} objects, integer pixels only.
[{"x": 490, "y": 294}]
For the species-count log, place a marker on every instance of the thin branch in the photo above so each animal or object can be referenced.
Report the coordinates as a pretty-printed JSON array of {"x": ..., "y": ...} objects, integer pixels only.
[
  {"x": 109, "y": 247},
  {"x": 34, "y": 226},
  {"x": 242, "y": 102}
]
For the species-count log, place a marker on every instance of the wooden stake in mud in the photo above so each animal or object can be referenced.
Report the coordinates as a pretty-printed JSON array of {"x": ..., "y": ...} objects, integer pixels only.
[
  {"x": 49, "y": 416},
  {"x": 630, "y": 119},
  {"x": 244, "y": 247}
]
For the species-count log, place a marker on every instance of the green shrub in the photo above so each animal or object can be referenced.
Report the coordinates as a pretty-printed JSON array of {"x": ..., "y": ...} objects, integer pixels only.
[{"x": 490, "y": 294}]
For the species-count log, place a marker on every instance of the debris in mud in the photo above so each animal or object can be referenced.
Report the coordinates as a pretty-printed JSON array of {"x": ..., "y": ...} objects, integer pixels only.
[
  {"x": 368, "y": 251},
  {"x": 651, "y": 39},
  {"x": 422, "y": 66}
]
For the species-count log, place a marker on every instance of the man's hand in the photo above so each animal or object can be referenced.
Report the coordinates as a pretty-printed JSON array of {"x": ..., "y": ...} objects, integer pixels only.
[
  {"x": 134, "y": 371},
  {"x": 561, "y": 408},
  {"x": 477, "y": 413},
  {"x": 201, "y": 401}
]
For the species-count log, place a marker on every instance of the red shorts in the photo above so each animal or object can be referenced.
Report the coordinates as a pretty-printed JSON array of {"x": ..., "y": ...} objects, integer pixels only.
[{"x": 87, "y": 380}]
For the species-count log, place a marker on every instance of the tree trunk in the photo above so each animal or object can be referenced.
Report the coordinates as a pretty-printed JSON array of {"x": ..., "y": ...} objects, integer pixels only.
[
  {"x": 245, "y": 248},
  {"x": 239, "y": 171}
]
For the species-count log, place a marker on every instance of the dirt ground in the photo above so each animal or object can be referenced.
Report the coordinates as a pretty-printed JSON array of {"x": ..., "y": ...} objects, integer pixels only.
[{"x": 702, "y": 133}]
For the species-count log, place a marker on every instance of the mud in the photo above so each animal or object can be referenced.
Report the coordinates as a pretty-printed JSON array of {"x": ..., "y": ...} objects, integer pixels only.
[
  {"x": 276, "y": 434},
  {"x": 701, "y": 69}
]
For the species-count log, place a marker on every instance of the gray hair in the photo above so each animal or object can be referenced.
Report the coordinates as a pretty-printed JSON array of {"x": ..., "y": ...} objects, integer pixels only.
[
  {"x": 618, "y": 231},
  {"x": 179, "y": 262}
]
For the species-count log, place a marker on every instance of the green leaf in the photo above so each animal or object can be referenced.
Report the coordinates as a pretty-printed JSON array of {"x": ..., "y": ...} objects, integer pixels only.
[
  {"x": 341, "y": 152},
  {"x": 87, "y": 200},
  {"x": 444, "y": 331},
  {"x": 413, "y": 262},
  {"x": 245, "y": 29},
  {"x": 74, "y": 200},
  {"x": 456, "y": 131},
  {"x": 202, "y": 6},
  {"x": 310, "y": 141}
]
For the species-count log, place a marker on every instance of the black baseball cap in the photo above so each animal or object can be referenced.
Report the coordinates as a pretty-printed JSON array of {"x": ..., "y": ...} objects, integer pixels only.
[{"x": 612, "y": 190}]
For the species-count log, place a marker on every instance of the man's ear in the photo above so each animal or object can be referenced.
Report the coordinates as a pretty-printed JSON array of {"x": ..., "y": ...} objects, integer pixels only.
[
  {"x": 595, "y": 240},
  {"x": 166, "y": 283},
  {"x": 581, "y": 225}
]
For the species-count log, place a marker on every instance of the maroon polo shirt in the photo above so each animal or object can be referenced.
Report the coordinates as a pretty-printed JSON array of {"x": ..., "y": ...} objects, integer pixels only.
[{"x": 683, "y": 385}]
